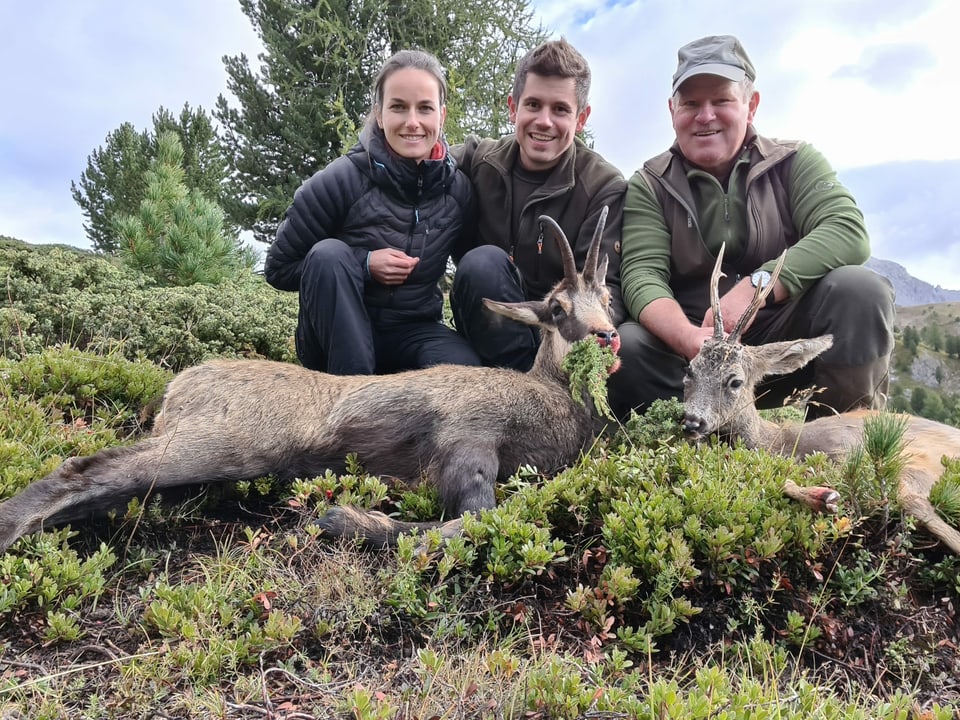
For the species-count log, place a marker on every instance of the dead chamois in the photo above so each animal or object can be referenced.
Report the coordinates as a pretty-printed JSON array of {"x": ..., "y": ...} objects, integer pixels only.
[{"x": 461, "y": 428}]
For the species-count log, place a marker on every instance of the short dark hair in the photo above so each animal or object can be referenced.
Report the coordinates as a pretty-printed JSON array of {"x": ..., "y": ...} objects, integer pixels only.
[{"x": 554, "y": 58}]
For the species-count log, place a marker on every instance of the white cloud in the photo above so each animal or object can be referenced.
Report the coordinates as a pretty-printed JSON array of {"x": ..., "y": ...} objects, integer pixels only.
[{"x": 866, "y": 81}]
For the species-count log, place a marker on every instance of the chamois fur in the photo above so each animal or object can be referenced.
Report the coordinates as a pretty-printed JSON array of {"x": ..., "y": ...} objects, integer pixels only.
[{"x": 461, "y": 428}]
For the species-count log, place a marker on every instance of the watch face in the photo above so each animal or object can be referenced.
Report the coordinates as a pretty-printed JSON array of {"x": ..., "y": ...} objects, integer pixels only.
[{"x": 760, "y": 278}]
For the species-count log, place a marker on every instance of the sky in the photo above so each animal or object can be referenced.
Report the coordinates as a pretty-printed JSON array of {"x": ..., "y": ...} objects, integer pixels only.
[{"x": 870, "y": 83}]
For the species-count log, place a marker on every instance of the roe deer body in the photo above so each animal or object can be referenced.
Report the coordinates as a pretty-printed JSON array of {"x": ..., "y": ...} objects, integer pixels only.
[
  {"x": 719, "y": 398},
  {"x": 461, "y": 428}
]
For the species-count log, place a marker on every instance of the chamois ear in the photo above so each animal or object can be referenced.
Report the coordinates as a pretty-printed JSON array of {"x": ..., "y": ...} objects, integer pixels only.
[
  {"x": 526, "y": 312},
  {"x": 780, "y": 358}
]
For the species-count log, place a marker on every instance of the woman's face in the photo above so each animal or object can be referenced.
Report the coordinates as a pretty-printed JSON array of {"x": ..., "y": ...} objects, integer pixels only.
[{"x": 411, "y": 114}]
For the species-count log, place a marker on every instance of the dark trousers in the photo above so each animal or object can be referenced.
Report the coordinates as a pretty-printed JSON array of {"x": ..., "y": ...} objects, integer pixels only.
[
  {"x": 335, "y": 333},
  {"x": 487, "y": 272},
  {"x": 853, "y": 303}
]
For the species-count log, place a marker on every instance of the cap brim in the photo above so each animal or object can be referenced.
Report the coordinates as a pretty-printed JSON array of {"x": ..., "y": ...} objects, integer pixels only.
[{"x": 725, "y": 71}]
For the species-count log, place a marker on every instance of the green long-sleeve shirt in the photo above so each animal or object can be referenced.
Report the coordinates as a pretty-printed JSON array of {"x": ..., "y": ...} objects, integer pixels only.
[{"x": 826, "y": 226}]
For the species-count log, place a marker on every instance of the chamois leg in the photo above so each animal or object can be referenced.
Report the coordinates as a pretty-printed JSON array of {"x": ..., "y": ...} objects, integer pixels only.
[
  {"x": 84, "y": 487},
  {"x": 373, "y": 529},
  {"x": 819, "y": 499},
  {"x": 79, "y": 488},
  {"x": 466, "y": 481}
]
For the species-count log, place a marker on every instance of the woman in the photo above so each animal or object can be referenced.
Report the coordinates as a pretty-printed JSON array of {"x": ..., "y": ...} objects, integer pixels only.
[{"x": 367, "y": 238}]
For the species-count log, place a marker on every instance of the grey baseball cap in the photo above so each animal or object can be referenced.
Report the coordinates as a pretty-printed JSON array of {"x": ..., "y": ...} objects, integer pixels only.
[{"x": 721, "y": 55}]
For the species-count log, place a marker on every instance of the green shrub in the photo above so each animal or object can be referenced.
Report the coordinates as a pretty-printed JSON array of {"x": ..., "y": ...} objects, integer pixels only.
[
  {"x": 63, "y": 402},
  {"x": 56, "y": 294}
]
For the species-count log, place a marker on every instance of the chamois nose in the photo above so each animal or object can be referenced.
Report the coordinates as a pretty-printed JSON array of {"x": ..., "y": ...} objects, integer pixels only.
[
  {"x": 694, "y": 427},
  {"x": 610, "y": 339}
]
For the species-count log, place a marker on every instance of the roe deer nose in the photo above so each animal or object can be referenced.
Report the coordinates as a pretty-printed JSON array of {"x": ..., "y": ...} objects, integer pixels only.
[{"x": 694, "y": 426}]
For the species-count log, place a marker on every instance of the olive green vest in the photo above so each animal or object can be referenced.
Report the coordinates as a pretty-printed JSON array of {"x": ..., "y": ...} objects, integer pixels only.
[{"x": 771, "y": 228}]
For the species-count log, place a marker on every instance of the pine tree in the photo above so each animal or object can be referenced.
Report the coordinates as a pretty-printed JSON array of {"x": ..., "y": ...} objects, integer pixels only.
[
  {"x": 952, "y": 345},
  {"x": 178, "y": 236},
  {"x": 306, "y": 104},
  {"x": 911, "y": 339},
  {"x": 113, "y": 183},
  {"x": 933, "y": 336}
]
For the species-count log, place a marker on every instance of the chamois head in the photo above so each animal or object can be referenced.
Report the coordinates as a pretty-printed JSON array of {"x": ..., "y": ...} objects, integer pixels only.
[
  {"x": 577, "y": 307},
  {"x": 718, "y": 388}
]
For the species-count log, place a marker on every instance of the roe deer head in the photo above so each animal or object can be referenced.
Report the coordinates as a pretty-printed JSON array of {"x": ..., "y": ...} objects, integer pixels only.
[{"x": 718, "y": 397}]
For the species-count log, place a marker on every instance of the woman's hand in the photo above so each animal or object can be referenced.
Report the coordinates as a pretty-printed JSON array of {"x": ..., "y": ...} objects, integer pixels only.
[{"x": 389, "y": 266}]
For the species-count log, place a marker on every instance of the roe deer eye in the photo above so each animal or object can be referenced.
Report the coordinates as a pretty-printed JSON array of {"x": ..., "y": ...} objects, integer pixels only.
[
  {"x": 735, "y": 384},
  {"x": 557, "y": 311}
]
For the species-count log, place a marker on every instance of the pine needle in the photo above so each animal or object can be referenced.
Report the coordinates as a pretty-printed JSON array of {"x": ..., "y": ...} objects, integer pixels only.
[{"x": 945, "y": 497}]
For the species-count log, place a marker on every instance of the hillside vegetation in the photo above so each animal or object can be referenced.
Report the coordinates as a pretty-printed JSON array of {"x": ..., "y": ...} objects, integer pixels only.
[
  {"x": 653, "y": 579},
  {"x": 926, "y": 367}
]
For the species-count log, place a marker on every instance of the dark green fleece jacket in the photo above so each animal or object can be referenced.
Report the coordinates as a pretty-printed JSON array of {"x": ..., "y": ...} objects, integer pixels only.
[
  {"x": 573, "y": 195},
  {"x": 779, "y": 195}
]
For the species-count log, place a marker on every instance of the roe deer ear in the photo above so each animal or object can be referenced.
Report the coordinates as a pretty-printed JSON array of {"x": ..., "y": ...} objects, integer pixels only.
[{"x": 782, "y": 358}]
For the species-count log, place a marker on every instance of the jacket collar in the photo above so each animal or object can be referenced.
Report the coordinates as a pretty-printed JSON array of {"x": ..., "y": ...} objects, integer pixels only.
[
  {"x": 402, "y": 176},
  {"x": 505, "y": 156}
]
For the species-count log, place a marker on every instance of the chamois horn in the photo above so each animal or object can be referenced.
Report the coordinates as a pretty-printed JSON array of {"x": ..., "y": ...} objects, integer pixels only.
[
  {"x": 569, "y": 265},
  {"x": 593, "y": 254}
]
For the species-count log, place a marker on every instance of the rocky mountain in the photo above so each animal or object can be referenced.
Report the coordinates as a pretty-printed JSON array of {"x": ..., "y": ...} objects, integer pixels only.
[
  {"x": 911, "y": 290},
  {"x": 913, "y": 217}
]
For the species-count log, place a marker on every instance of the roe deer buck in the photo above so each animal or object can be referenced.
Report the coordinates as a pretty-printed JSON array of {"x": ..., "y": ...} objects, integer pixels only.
[
  {"x": 718, "y": 397},
  {"x": 461, "y": 428}
]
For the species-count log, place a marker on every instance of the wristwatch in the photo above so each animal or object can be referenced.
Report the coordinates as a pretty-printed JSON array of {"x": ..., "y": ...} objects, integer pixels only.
[{"x": 760, "y": 279}]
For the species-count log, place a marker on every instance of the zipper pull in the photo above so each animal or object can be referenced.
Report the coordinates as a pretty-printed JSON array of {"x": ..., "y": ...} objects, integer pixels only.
[{"x": 540, "y": 243}]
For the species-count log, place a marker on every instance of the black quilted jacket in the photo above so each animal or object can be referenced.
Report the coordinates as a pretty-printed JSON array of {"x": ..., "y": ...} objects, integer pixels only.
[{"x": 370, "y": 199}]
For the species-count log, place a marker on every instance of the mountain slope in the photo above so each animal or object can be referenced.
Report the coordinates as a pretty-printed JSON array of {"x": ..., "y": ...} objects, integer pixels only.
[{"x": 911, "y": 290}]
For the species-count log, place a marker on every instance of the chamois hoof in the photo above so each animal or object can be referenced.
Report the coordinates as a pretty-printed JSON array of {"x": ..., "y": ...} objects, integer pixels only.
[
  {"x": 819, "y": 499},
  {"x": 372, "y": 528}
]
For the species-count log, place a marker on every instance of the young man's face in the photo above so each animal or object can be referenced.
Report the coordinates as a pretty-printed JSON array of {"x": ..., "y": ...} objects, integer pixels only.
[
  {"x": 546, "y": 118},
  {"x": 710, "y": 116}
]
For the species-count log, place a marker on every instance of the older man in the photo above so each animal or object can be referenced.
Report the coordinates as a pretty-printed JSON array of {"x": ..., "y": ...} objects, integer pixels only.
[{"x": 722, "y": 182}]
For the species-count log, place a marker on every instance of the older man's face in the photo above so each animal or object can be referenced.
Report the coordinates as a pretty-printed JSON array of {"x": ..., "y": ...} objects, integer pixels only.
[{"x": 710, "y": 116}]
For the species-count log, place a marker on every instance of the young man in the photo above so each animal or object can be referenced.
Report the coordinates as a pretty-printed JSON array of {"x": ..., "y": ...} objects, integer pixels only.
[
  {"x": 541, "y": 169},
  {"x": 721, "y": 182}
]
